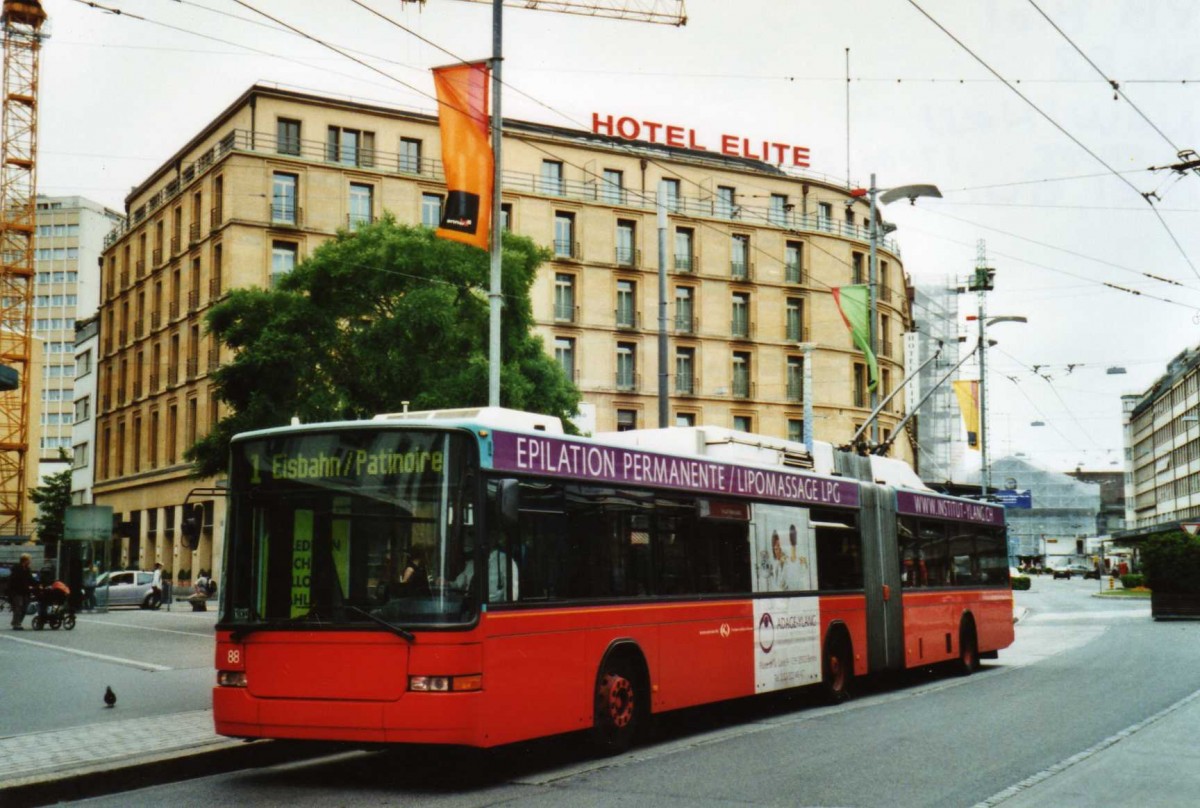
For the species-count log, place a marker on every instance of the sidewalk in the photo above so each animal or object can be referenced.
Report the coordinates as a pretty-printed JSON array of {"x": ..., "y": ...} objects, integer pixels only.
[{"x": 1131, "y": 763}]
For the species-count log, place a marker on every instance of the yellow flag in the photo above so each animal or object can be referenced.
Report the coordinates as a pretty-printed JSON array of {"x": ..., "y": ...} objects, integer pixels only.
[{"x": 968, "y": 402}]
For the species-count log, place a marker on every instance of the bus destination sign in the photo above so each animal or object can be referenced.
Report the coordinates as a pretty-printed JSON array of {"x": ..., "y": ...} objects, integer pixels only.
[
  {"x": 615, "y": 464},
  {"x": 912, "y": 503}
]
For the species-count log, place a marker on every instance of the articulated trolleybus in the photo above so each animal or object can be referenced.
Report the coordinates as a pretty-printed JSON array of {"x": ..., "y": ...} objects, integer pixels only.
[{"x": 476, "y": 577}]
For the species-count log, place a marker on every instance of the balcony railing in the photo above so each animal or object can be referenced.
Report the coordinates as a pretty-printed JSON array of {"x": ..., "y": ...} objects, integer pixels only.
[
  {"x": 139, "y": 329},
  {"x": 626, "y": 318},
  {"x": 568, "y": 250},
  {"x": 628, "y": 257},
  {"x": 287, "y": 216},
  {"x": 193, "y": 232},
  {"x": 193, "y": 367},
  {"x": 797, "y": 333},
  {"x": 214, "y": 288},
  {"x": 215, "y": 215},
  {"x": 686, "y": 385},
  {"x": 795, "y": 391},
  {"x": 193, "y": 300},
  {"x": 137, "y": 389},
  {"x": 628, "y": 381},
  {"x": 793, "y": 273},
  {"x": 741, "y": 329},
  {"x": 124, "y": 278},
  {"x": 154, "y": 380},
  {"x": 742, "y": 388},
  {"x": 588, "y": 189},
  {"x": 687, "y": 324},
  {"x": 141, "y": 267},
  {"x": 176, "y": 245},
  {"x": 741, "y": 270},
  {"x": 564, "y": 313},
  {"x": 156, "y": 257},
  {"x": 214, "y": 359},
  {"x": 172, "y": 375},
  {"x": 685, "y": 263},
  {"x": 356, "y": 220},
  {"x": 155, "y": 320},
  {"x": 173, "y": 311}
]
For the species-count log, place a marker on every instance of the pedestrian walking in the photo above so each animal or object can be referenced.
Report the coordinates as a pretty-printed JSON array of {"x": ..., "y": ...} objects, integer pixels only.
[{"x": 20, "y": 585}]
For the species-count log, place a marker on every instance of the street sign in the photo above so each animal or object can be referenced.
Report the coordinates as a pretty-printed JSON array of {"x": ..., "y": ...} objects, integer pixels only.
[{"x": 1191, "y": 528}]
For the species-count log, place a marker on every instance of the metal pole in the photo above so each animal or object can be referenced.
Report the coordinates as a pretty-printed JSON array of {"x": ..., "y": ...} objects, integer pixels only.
[
  {"x": 495, "y": 293},
  {"x": 984, "y": 482},
  {"x": 664, "y": 403},
  {"x": 873, "y": 304}
]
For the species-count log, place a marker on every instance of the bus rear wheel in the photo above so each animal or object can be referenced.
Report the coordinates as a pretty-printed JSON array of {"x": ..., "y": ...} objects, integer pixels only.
[
  {"x": 837, "y": 669},
  {"x": 968, "y": 650},
  {"x": 617, "y": 707}
]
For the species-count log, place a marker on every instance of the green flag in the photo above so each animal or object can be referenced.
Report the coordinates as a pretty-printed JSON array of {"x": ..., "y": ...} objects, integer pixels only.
[{"x": 854, "y": 304}]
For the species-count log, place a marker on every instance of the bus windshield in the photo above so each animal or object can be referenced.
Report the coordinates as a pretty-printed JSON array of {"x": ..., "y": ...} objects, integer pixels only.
[{"x": 350, "y": 527}]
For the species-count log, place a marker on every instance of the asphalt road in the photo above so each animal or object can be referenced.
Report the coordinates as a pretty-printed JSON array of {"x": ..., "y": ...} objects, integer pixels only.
[{"x": 1082, "y": 670}]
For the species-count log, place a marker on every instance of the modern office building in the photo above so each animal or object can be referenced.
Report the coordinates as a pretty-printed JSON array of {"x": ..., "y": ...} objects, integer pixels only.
[
  {"x": 68, "y": 243},
  {"x": 753, "y": 253},
  {"x": 83, "y": 431},
  {"x": 1162, "y": 450}
]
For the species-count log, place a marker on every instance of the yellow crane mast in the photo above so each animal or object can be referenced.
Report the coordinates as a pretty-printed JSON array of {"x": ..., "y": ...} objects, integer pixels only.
[{"x": 22, "y": 21}]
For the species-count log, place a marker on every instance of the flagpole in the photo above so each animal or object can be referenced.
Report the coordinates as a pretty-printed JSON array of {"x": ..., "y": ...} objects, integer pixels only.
[{"x": 495, "y": 294}]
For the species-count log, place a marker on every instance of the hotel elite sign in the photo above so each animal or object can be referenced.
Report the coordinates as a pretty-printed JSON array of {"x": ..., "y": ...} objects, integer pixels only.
[{"x": 681, "y": 137}]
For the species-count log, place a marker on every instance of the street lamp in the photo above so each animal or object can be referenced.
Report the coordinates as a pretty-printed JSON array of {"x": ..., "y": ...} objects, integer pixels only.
[
  {"x": 886, "y": 195},
  {"x": 984, "y": 322}
]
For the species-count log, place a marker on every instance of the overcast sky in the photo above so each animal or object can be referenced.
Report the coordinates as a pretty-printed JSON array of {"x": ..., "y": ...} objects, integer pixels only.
[{"x": 1056, "y": 193}]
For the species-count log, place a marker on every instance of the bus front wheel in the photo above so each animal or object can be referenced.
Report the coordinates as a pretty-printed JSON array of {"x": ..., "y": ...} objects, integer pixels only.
[{"x": 617, "y": 707}]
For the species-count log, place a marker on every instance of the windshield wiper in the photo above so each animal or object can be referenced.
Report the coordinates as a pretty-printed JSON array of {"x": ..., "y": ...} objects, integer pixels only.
[{"x": 374, "y": 618}]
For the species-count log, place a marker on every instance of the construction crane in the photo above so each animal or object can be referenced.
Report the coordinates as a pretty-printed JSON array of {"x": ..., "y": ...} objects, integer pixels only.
[{"x": 23, "y": 22}]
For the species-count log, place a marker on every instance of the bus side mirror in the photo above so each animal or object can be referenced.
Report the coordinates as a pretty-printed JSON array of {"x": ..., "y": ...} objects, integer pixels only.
[{"x": 508, "y": 502}]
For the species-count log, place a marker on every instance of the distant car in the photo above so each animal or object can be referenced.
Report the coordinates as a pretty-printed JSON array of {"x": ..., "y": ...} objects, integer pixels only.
[
  {"x": 1092, "y": 573},
  {"x": 1070, "y": 569},
  {"x": 127, "y": 588}
]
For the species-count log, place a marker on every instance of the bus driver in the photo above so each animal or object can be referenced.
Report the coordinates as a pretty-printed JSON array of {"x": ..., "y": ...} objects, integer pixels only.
[{"x": 496, "y": 580}]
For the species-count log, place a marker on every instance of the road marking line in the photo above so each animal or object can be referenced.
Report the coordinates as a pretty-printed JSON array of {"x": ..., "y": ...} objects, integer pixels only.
[
  {"x": 132, "y": 663},
  {"x": 1061, "y": 766},
  {"x": 143, "y": 628}
]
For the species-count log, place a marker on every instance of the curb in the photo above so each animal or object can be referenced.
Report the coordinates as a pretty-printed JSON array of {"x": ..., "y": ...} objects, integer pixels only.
[{"x": 219, "y": 757}]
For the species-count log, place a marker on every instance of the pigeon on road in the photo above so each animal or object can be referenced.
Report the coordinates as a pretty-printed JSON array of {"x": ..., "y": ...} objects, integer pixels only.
[{"x": 110, "y": 698}]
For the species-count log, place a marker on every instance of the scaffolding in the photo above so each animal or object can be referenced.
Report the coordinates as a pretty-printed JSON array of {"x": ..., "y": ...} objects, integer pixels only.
[{"x": 23, "y": 22}]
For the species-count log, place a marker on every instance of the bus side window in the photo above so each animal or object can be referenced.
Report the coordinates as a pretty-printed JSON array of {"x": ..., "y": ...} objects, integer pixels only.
[{"x": 539, "y": 549}]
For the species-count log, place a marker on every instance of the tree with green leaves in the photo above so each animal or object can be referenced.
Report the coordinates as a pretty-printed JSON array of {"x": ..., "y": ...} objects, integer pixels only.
[
  {"x": 375, "y": 317},
  {"x": 52, "y": 498}
]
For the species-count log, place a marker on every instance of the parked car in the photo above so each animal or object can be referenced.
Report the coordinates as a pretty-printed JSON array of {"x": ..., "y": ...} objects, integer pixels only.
[
  {"x": 1068, "y": 570},
  {"x": 127, "y": 588}
]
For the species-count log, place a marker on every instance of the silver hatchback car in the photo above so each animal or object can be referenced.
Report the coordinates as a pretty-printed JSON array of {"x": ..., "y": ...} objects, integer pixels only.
[{"x": 127, "y": 588}]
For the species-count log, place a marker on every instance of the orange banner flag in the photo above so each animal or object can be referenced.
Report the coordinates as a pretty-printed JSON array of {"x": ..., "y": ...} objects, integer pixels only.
[{"x": 462, "y": 92}]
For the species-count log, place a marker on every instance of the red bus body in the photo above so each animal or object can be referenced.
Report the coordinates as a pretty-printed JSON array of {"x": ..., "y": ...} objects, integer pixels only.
[{"x": 538, "y": 664}]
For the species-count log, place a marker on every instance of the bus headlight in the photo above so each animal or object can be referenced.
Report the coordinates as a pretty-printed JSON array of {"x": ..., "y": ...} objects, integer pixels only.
[{"x": 445, "y": 684}]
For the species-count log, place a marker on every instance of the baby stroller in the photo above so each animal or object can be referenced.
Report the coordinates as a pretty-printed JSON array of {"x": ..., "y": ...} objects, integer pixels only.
[{"x": 53, "y": 609}]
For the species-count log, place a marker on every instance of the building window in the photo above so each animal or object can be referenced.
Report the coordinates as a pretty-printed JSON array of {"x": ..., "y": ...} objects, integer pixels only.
[
  {"x": 795, "y": 430},
  {"x": 860, "y": 384},
  {"x": 350, "y": 147},
  {"x": 777, "y": 212},
  {"x": 362, "y": 205},
  {"x": 795, "y": 320},
  {"x": 83, "y": 364},
  {"x": 725, "y": 207},
  {"x": 885, "y": 331},
  {"x": 80, "y": 456},
  {"x": 626, "y": 420},
  {"x": 793, "y": 262},
  {"x": 626, "y": 238},
  {"x": 410, "y": 155},
  {"x": 83, "y": 409},
  {"x": 552, "y": 178},
  {"x": 287, "y": 136},
  {"x": 743, "y": 423},
  {"x": 795, "y": 378},
  {"x": 685, "y": 419},
  {"x": 741, "y": 374},
  {"x": 431, "y": 210},
  {"x": 670, "y": 189},
  {"x": 564, "y": 297},
  {"x": 685, "y": 239},
  {"x": 283, "y": 259},
  {"x": 626, "y": 304},
  {"x": 825, "y": 215},
  {"x": 284, "y": 208},
  {"x": 564, "y": 235},
  {"x": 740, "y": 321},
  {"x": 612, "y": 187},
  {"x": 506, "y": 217},
  {"x": 685, "y": 322},
  {"x": 739, "y": 257},
  {"x": 626, "y": 366},
  {"x": 564, "y": 353},
  {"x": 172, "y": 434},
  {"x": 685, "y": 371}
]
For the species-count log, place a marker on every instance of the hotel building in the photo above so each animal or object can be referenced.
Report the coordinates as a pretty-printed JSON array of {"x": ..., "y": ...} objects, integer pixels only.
[{"x": 753, "y": 253}]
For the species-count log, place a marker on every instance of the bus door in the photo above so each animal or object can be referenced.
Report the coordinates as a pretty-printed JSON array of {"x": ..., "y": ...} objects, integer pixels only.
[{"x": 881, "y": 579}]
